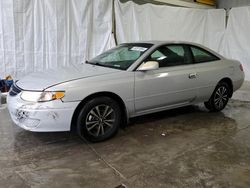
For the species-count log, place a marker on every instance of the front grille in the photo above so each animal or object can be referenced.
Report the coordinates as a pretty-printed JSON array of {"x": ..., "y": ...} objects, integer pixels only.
[{"x": 14, "y": 90}]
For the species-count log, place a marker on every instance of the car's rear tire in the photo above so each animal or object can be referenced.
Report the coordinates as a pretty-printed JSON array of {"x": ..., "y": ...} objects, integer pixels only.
[
  {"x": 219, "y": 98},
  {"x": 99, "y": 119}
]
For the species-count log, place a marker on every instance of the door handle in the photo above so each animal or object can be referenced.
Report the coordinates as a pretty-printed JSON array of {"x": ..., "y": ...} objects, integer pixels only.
[{"x": 192, "y": 75}]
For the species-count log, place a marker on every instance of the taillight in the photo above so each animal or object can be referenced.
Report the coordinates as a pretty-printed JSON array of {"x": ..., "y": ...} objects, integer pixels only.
[{"x": 241, "y": 67}]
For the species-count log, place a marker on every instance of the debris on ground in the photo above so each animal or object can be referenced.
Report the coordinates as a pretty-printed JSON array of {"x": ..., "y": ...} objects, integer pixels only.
[{"x": 121, "y": 186}]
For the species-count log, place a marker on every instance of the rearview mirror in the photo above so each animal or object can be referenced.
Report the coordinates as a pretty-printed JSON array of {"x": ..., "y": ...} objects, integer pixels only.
[{"x": 149, "y": 65}]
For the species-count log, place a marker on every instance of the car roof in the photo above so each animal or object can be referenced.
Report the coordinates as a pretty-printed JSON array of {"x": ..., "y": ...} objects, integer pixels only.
[{"x": 158, "y": 42}]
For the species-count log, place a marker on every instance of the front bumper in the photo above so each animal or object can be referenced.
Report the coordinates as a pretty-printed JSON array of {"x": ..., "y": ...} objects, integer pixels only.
[{"x": 53, "y": 116}]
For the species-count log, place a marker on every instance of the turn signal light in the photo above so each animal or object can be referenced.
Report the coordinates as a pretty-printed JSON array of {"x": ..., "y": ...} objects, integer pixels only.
[{"x": 57, "y": 95}]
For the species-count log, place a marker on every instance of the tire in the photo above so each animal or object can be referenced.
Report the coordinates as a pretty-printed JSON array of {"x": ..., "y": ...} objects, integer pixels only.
[
  {"x": 219, "y": 98},
  {"x": 99, "y": 119}
]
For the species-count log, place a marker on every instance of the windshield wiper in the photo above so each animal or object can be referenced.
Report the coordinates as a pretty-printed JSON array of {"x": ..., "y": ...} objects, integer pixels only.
[
  {"x": 88, "y": 62},
  {"x": 96, "y": 63},
  {"x": 102, "y": 65},
  {"x": 92, "y": 63}
]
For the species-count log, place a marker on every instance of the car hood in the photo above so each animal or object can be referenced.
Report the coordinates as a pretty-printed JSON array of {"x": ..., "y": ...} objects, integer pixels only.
[{"x": 42, "y": 80}]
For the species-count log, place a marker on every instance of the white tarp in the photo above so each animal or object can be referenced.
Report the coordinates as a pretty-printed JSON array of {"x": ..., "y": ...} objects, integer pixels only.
[
  {"x": 153, "y": 22},
  {"x": 40, "y": 34},
  {"x": 236, "y": 42},
  {"x": 7, "y": 38}
]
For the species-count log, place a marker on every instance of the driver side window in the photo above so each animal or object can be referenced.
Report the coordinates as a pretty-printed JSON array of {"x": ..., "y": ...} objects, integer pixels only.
[{"x": 171, "y": 55}]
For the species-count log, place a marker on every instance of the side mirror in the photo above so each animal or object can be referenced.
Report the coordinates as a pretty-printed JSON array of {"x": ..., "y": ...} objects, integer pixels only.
[{"x": 149, "y": 65}]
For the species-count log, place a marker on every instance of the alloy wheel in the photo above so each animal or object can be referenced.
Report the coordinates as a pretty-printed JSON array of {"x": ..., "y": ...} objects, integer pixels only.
[
  {"x": 221, "y": 97},
  {"x": 100, "y": 120}
]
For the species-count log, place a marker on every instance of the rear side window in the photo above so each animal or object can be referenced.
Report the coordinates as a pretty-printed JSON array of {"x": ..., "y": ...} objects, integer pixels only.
[{"x": 202, "y": 56}]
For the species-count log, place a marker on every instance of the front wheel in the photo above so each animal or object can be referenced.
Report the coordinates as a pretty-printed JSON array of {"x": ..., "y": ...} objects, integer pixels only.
[
  {"x": 99, "y": 119},
  {"x": 219, "y": 98}
]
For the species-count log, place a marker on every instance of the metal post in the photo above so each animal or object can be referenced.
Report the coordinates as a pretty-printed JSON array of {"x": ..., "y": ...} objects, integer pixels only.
[{"x": 113, "y": 21}]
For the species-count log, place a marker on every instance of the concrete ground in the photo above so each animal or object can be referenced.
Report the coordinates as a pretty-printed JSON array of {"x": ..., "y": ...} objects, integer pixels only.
[{"x": 186, "y": 147}]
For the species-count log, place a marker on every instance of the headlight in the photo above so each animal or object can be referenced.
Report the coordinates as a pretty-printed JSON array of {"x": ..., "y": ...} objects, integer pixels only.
[{"x": 45, "y": 96}]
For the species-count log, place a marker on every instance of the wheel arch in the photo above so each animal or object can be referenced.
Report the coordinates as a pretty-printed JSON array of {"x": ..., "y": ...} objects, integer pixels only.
[
  {"x": 230, "y": 84},
  {"x": 112, "y": 95}
]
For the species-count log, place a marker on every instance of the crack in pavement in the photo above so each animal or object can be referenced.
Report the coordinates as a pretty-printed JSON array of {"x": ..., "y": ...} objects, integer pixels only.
[
  {"x": 117, "y": 172},
  {"x": 169, "y": 161}
]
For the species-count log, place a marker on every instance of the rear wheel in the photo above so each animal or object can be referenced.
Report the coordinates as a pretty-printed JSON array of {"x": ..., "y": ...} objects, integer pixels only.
[
  {"x": 99, "y": 119},
  {"x": 219, "y": 98}
]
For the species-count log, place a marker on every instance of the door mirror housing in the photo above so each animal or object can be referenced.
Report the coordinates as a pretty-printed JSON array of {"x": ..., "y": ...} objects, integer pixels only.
[{"x": 149, "y": 65}]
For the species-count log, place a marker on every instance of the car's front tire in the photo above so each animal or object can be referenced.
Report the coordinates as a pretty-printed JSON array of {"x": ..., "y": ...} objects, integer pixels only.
[
  {"x": 99, "y": 119},
  {"x": 219, "y": 98}
]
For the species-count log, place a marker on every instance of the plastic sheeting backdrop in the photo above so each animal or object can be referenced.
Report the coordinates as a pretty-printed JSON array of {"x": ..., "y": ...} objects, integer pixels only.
[
  {"x": 236, "y": 42},
  {"x": 40, "y": 34},
  {"x": 151, "y": 22}
]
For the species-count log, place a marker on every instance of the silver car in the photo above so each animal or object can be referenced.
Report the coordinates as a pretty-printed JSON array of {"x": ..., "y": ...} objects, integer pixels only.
[{"x": 130, "y": 80}]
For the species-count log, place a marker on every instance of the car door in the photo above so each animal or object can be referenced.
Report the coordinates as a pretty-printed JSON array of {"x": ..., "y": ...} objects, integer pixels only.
[
  {"x": 173, "y": 84},
  {"x": 209, "y": 72}
]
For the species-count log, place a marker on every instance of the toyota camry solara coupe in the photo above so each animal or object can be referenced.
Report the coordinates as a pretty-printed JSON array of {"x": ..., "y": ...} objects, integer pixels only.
[{"x": 130, "y": 80}]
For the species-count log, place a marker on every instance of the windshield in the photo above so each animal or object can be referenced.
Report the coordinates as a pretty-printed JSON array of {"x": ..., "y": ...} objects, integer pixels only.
[{"x": 121, "y": 57}]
